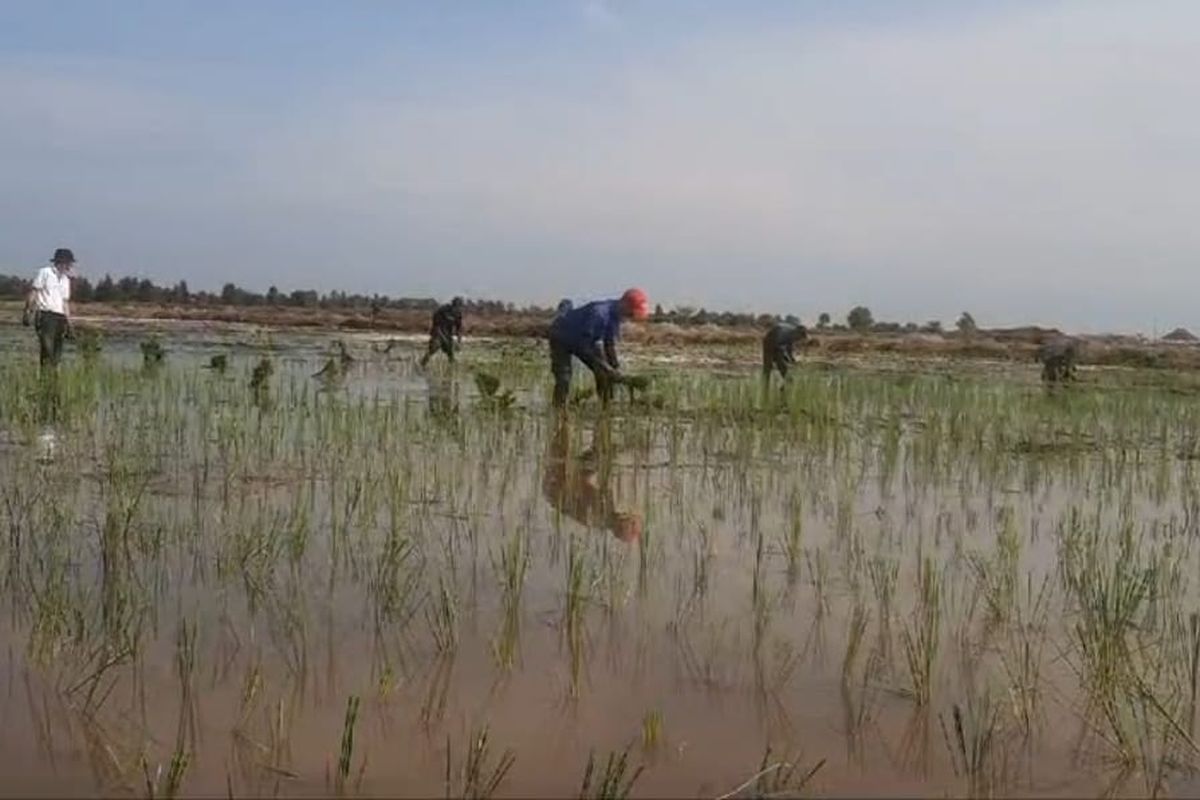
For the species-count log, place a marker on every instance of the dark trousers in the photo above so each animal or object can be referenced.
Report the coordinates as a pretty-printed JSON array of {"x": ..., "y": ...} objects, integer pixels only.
[
  {"x": 776, "y": 356},
  {"x": 561, "y": 354},
  {"x": 51, "y": 330},
  {"x": 439, "y": 340}
]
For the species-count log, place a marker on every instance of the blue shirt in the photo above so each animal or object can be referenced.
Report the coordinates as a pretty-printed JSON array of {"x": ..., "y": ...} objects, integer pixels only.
[{"x": 588, "y": 324}]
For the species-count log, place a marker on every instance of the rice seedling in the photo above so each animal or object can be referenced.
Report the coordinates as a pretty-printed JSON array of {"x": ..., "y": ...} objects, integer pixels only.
[
  {"x": 490, "y": 395},
  {"x": 652, "y": 732},
  {"x": 579, "y": 583},
  {"x": 612, "y": 782},
  {"x": 442, "y": 617},
  {"x": 776, "y": 778},
  {"x": 331, "y": 373},
  {"x": 89, "y": 342},
  {"x": 259, "y": 378},
  {"x": 346, "y": 751},
  {"x": 510, "y": 569},
  {"x": 152, "y": 352},
  {"x": 975, "y": 744},
  {"x": 477, "y": 778},
  {"x": 922, "y": 633}
]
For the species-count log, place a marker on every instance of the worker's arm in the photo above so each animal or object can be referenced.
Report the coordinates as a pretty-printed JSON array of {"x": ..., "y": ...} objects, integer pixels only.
[
  {"x": 458, "y": 327},
  {"x": 596, "y": 358},
  {"x": 610, "y": 354}
]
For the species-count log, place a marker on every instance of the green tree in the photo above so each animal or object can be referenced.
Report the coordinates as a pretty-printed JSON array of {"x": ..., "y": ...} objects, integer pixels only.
[{"x": 860, "y": 319}]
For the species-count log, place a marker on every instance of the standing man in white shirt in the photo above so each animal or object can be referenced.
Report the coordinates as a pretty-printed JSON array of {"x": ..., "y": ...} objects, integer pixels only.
[{"x": 50, "y": 304}]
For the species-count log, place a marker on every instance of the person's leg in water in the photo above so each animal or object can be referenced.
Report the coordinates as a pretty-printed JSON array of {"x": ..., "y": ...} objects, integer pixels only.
[
  {"x": 560, "y": 366},
  {"x": 436, "y": 343},
  {"x": 767, "y": 361},
  {"x": 45, "y": 341},
  {"x": 448, "y": 344},
  {"x": 775, "y": 358},
  {"x": 51, "y": 328},
  {"x": 783, "y": 359},
  {"x": 430, "y": 349}
]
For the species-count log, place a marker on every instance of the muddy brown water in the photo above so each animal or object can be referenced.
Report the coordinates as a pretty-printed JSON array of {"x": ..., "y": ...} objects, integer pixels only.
[{"x": 674, "y": 625}]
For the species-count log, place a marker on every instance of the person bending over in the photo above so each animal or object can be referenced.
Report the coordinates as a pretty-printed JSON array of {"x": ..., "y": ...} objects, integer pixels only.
[{"x": 590, "y": 333}]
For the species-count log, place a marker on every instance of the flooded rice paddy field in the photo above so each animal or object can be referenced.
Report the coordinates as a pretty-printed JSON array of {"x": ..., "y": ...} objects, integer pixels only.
[{"x": 877, "y": 580}]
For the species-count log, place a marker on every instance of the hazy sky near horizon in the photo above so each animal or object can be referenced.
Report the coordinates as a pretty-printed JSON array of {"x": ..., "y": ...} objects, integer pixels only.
[{"x": 1031, "y": 162}]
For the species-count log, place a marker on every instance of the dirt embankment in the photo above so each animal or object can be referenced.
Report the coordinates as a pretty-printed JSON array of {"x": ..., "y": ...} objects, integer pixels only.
[{"x": 1013, "y": 344}]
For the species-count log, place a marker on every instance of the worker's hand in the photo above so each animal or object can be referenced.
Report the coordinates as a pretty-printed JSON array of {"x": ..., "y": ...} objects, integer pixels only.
[
  {"x": 69, "y": 332},
  {"x": 27, "y": 317}
]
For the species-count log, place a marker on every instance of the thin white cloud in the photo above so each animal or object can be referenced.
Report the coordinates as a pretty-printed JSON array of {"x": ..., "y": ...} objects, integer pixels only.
[{"x": 599, "y": 13}]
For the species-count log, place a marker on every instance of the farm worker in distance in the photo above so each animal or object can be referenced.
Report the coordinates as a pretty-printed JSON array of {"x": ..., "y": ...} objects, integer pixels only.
[
  {"x": 447, "y": 326},
  {"x": 48, "y": 306},
  {"x": 590, "y": 333},
  {"x": 778, "y": 348},
  {"x": 1058, "y": 359},
  {"x": 578, "y": 486}
]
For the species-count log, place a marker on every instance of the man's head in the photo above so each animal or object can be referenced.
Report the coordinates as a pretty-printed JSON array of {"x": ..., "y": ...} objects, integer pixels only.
[
  {"x": 63, "y": 259},
  {"x": 635, "y": 304},
  {"x": 456, "y": 302}
]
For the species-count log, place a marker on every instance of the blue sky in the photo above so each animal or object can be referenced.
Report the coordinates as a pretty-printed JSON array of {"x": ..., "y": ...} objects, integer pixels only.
[{"x": 1026, "y": 161}]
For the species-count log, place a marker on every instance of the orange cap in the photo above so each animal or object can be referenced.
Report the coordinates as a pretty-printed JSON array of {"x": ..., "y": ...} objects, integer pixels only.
[{"x": 636, "y": 304}]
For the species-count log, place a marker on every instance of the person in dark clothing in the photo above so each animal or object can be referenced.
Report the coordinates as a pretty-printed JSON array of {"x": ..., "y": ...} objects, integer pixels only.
[
  {"x": 778, "y": 348},
  {"x": 447, "y": 327},
  {"x": 48, "y": 306},
  {"x": 590, "y": 333},
  {"x": 580, "y": 487},
  {"x": 1058, "y": 359}
]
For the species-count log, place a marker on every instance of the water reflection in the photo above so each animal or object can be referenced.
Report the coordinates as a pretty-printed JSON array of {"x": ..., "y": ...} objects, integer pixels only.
[
  {"x": 443, "y": 396},
  {"x": 579, "y": 485}
]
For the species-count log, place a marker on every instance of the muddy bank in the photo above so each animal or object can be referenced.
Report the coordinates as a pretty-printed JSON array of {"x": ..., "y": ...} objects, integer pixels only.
[{"x": 1013, "y": 344}]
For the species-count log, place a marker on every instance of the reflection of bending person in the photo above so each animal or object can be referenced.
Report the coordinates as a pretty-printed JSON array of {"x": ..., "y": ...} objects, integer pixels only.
[{"x": 575, "y": 487}]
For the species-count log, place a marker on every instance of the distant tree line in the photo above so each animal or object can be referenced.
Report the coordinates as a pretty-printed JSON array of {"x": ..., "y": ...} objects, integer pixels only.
[{"x": 143, "y": 290}]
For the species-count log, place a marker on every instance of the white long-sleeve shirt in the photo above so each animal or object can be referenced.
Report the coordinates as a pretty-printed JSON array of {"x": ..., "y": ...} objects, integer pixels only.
[{"x": 51, "y": 290}]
